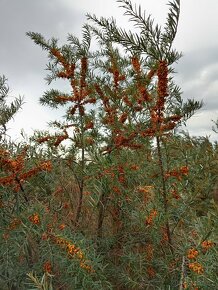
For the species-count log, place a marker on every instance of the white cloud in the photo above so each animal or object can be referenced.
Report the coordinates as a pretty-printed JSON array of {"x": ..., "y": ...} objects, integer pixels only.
[{"x": 201, "y": 124}]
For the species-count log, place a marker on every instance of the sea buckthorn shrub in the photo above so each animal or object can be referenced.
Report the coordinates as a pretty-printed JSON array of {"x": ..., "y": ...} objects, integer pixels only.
[{"x": 115, "y": 197}]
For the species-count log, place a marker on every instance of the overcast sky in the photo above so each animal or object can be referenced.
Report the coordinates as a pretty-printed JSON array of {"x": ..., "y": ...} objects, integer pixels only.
[{"x": 23, "y": 63}]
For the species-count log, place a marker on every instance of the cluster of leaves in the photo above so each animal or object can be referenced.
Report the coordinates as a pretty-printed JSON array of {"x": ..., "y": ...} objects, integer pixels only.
[
  {"x": 7, "y": 111},
  {"x": 127, "y": 202}
]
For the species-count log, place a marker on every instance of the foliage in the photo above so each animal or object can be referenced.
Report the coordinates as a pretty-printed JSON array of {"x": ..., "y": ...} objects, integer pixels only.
[
  {"x": 7, "y": 111},
  {"x": 115, "y": 198}
]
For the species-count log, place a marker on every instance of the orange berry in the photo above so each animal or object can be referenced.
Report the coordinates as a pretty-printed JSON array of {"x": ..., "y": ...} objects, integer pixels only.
[
  {"x": 62, "y": 227},
  {"x": 35, "y": 219},
  {"x": 207, "y": 244},
  {"x": 47, "y": 267},
  {"x": 192, "y": 253},
  {"x": 196, "y": 267}
]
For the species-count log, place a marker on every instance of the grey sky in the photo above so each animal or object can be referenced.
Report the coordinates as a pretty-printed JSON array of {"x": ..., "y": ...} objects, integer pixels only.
[{"x": 24, "y": 63}]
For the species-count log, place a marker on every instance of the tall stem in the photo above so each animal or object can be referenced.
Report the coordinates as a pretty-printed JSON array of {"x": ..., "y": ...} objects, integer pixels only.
[
  {"x": 164, "y": 191},
  {"x": 102, "y": 205},
  {"x": 81, "y": 183},
  {"x": 22, "y": 189}
]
